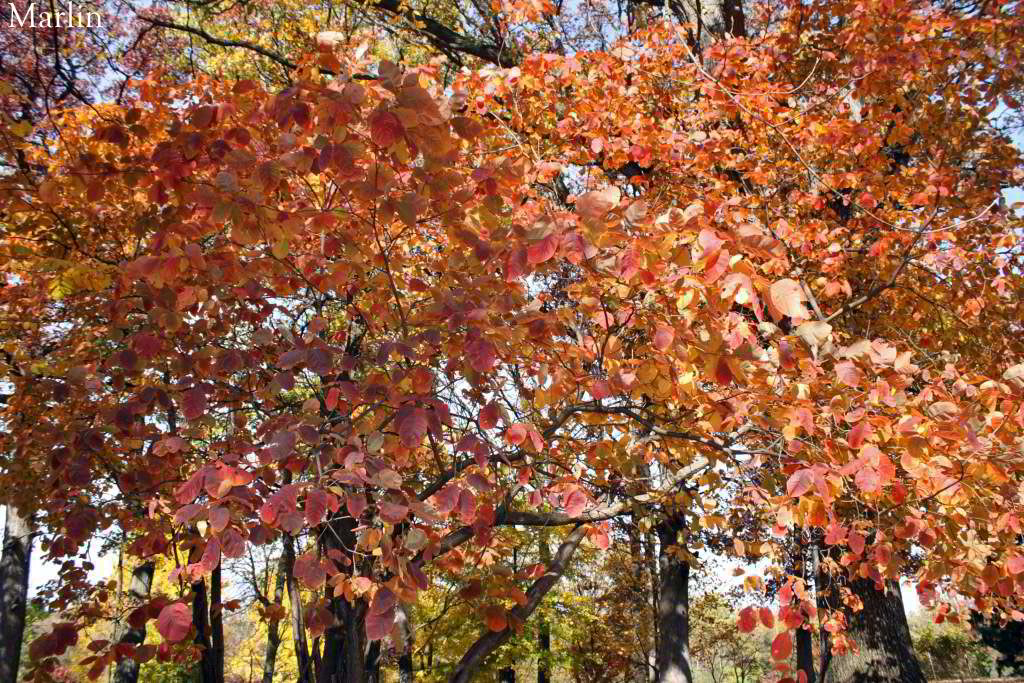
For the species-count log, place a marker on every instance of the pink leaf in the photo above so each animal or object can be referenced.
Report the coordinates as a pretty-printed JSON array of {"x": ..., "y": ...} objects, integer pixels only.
[
  {"x": 663, "y": 337},
  {"x": 799, "y": 483},
  {"x": 787, "y": 298},
  {"x": 174, "y": 622}
]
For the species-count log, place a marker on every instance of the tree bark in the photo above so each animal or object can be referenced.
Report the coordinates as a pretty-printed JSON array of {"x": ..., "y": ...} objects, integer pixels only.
[
  {"x": 127, "y": 670},
  {"x": 295, "y": 605},
  {"x": 712, "y": 19},
  {"x": 882, "y": 635},
  {"x": 274, "y": 628},
  {"x": 216, "y": 626},
  {"x": 673, "y": 646},
  {"x": 14, "y": 566},
  {"x": 804, "y": 639},
  {"x": 543, "y": 627},
  {"x": 405, "y": 645},
  {"x": 201, "y": 620},
  {"x": 348, "y": 656}
]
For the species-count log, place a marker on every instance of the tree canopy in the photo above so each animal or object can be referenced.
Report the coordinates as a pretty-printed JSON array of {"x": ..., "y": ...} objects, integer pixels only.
[{"x": 416, "y": 291}]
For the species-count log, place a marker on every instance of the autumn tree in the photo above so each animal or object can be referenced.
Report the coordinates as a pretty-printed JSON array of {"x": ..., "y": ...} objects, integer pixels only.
[{"x": 611, "y": 269}]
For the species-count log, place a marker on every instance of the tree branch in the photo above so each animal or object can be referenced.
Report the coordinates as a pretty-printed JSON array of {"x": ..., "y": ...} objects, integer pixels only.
[{"x": 492, "y": 640}]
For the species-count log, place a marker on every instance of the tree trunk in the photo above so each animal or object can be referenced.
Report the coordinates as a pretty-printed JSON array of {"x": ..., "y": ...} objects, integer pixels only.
[
  {"x": 295, "y": 605},
  {"x": 216, "y": 626},
  {"x": 274, "y": 628},
  {"x": 405, "y": 645},
  {"x": 201, "y": 620},
  {"x": 804, "y": 639},
  {"x": 127, "y": 670},
  {"x": 348, "y": 656},
  {"x": 14, "y": 565},
  {"x": 710, "y": 20},
  {"x": 805, "y": 655},
  {"x": 345, "y": 645},
  {"x": 543, "y": 627},
  {"x": 882, "y": 635},
  {"x": 673, "y": 646}
]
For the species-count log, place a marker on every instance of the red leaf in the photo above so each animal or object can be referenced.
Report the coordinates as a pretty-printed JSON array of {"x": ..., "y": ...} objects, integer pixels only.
[
  {"x": 595, "y": 204},
  {"x": 316, "y": 506},
  {"x": 355, "y": 503},
  {"x": 232, "y": 544},
  {"x": 516, "y": 434},
  {"x": 856, "y": 542},
  {"x": 174, "y": 622},
  {"x": 384, "y": 600},
  {"x": 385, "y": 128},
  {"x": 392, "y": 512},
  {"x": 378, "y": 626},
  {"x": 575, "y": 503},
  {"x": 496, "y": 618},
  {"x": 541, "y": 251},
  {"x": 1015, "y": 564},
  {"x": 467, "y": 507},
  {"x": 481, "y": 355},
  {"x": 747, "y": 621},
  {"x": 412, "y": 425},
  {"x": 310, "y": 570},
  {"x": 193, "y": 403},
  {"x": 867, "y": 480},
  {"x": 766, "y": 616},
  {"x": 333, "y": 394},
  {"x": 723, "y": 373},
  {"x": 848, "y": 373},
  {"x": 861, "y": 431},
  {"x": 489, "y": 416},
  {"x": 219, "y": 518},
  {"x": 782, "y": 646}
]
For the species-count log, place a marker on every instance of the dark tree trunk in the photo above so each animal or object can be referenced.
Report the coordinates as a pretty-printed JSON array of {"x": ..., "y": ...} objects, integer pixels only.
[
  {"x": 14, "y": 565},
  {"x": 201, "y": 620},
  {"x": 127, "y": 670},
  {"x": 673, "y": 645},
  {"x": 804, "y": 638},
  {"x": 543, "y": 627},
  {"x": 882, "y": 635},
  {"x": 373, "y": 662},
  {"x": 405, "y": 646},
  {"x": 274, "y": 627},
  {"x": 345, "y": 645},
  {"x": 348, "y": 656},
  {"x": 507, "y": 675},
  {"x": 216, "y": 627},
  {"x": 805, "y": 655},
  {"x": 295, "y": 605}
]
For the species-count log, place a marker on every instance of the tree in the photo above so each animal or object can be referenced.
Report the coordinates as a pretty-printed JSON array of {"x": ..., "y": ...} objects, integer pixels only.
[
  {"x": 610, "y": 270},
  {"x": 14, "y": 568},
  {"x": 949, "y": 650}
]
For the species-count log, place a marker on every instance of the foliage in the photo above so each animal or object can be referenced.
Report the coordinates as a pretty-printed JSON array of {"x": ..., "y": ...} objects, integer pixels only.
[
  {"x": 723, "y": 652},
  {"x": 755, "y": 281},
  {"x": 949, "y": 650}
]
